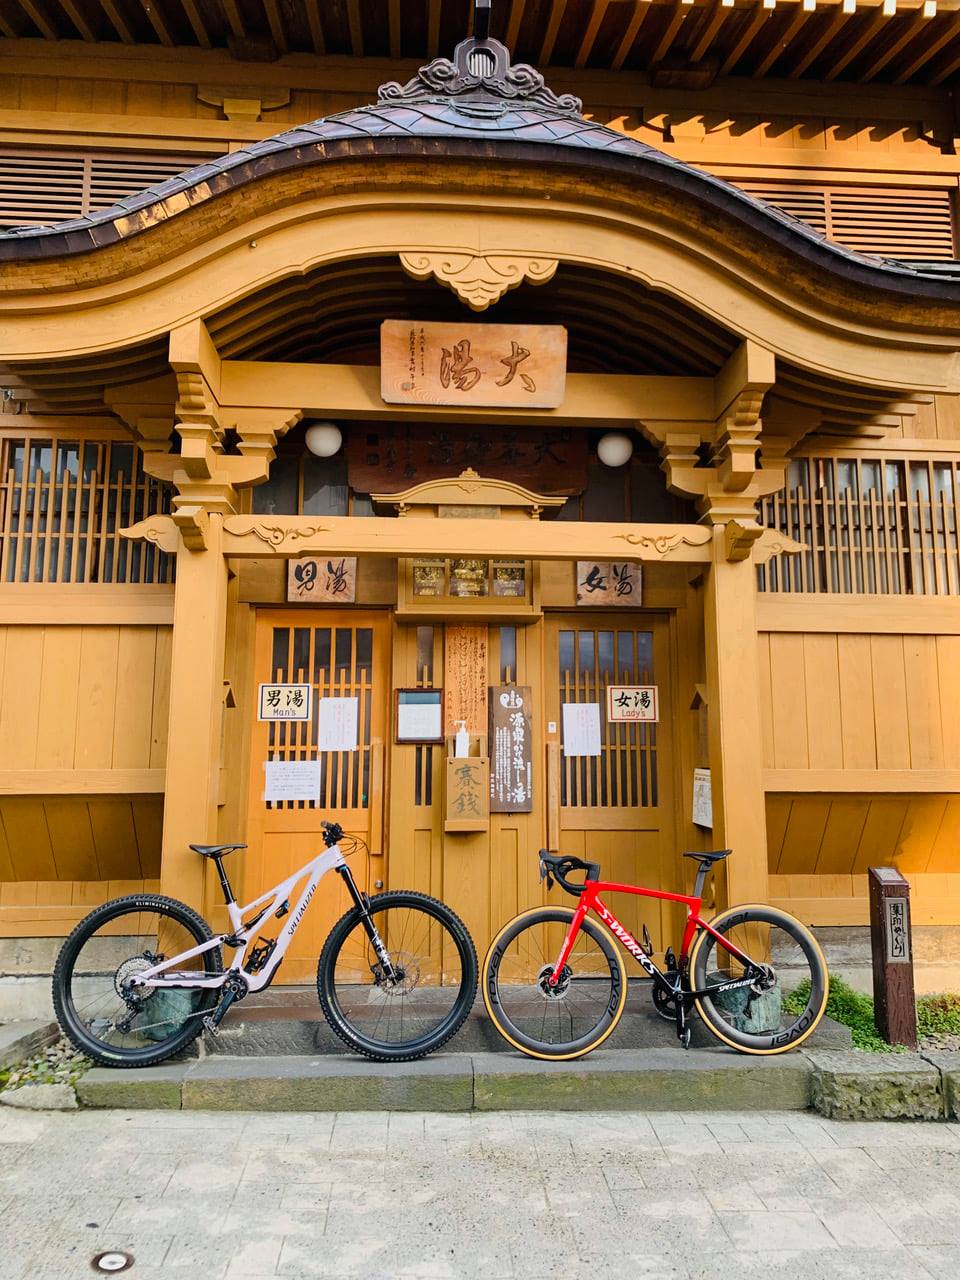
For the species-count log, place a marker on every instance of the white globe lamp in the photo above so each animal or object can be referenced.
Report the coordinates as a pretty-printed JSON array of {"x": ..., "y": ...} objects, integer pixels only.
[
  {"x": 614, "y": 449},
  {"x": 323, "y": 439}
]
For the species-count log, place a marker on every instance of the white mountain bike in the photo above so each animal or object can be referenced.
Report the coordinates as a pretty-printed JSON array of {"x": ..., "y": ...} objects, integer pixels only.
[{"x": 140, "y": 977}]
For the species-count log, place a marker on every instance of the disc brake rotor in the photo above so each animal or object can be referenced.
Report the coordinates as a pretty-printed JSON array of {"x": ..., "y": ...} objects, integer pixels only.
[
  {"x": 560, "y": 988},
  {"x": 407, "y": 969}
]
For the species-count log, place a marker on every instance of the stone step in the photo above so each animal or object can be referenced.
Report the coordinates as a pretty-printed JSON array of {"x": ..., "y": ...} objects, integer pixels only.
[{"x": 289, "y": 1021}]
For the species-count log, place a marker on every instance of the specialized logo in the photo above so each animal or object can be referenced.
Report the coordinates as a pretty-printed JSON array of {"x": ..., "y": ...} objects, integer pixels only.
[
  {"x": 292, "y": 926},
  {"x": 625, "y": 936}
]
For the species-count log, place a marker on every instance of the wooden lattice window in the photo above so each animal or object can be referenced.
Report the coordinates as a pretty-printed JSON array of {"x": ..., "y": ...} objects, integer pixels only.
[
  {"x": 63, "y": 503},
  {"x": 40, "y": 187},
  {"x": 871, "y": 525},
  {"x": 624, "y": 774},
  {"x": 915, "y": 223}
]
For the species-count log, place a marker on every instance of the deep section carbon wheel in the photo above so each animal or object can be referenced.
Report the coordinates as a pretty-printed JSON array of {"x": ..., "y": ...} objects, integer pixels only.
[
  {"x": 98, "y": 1007},
  {"x": 762, "y": 1018},
  {"x": 570, "y": 1018},
  {"x": 412, "y": 1004}
]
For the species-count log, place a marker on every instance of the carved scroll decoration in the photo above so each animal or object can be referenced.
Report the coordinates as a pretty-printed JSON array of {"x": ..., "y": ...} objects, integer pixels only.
[
  {"x": 478, "y": 280},
  {"x": 274, "y": 536},
  {"x": 663, "y": 544},
  {"x": 774, "y": 543}
]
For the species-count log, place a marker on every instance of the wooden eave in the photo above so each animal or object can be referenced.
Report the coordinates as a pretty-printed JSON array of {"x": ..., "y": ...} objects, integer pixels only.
[{"x": 669, "y": 40}]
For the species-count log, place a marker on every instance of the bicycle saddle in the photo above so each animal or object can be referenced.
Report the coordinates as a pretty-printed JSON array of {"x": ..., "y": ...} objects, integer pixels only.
[
  {"x": 215, "y": 850},
  {"x": 708, "y": 859}
]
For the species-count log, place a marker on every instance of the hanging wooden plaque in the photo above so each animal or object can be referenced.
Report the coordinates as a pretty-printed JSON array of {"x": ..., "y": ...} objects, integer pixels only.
[
  {"x": 501, "y": 365},
  {"x": 466, "y": 807},
  {"x": 465, "y": 679},
  {"x": 511, "y": 749}
]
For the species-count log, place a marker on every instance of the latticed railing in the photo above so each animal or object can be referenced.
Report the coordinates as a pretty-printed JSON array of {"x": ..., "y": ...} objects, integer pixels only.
[
  {"x": 870, "y": 525},
  {"x": 62, "y": 505}
]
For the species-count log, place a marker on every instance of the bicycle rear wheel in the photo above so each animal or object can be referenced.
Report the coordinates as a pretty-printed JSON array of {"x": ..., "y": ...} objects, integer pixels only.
[
  {"x": 790, "y": 997},
  {"x": 434, "y": 982},
  {"x": 565, "y": 1021},
  {"x": 102, "y": 1014}
]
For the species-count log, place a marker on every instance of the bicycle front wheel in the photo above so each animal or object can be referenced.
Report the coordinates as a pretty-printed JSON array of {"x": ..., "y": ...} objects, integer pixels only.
[
  {"x": 783, "y": 1008},
  {"x": 408, "y": 1009},
  {"x": 574, "y": 1016},
  {"x": 103, "y": 1014}
]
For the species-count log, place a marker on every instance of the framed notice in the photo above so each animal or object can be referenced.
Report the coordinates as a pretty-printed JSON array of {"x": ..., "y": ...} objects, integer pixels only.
[
  {"x": 632, "y": 702},
  {"x": 420, "y": 715}
]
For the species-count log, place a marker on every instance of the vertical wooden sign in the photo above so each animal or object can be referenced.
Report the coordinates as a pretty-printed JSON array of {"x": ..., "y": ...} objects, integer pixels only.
[
  {"x": 511, "y": 749},
  {"x": 465, "y": 679}
]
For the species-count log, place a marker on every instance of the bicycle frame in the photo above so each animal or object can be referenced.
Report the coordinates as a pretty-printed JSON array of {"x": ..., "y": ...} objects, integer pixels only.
[
  {"x": 241, "y": 935},
  {"x": 590, "y": 901}
]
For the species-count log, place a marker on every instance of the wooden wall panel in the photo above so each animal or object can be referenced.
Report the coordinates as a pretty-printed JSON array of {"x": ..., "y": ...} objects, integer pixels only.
[
  {"x": 860, "y": 701},
  {"x": 83, "y": 697},
  {"x": 77, "y": 838}
]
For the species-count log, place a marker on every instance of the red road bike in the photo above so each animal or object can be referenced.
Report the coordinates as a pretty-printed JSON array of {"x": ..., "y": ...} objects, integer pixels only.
[{"x": 555, "y": 986}]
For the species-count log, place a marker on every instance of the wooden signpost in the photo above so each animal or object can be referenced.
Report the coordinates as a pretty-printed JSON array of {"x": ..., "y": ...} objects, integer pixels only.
[{"x": 894, "y": 1001}]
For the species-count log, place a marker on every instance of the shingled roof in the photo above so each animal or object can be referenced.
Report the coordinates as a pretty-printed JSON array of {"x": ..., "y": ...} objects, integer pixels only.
[{"x": 479, "y": 106}]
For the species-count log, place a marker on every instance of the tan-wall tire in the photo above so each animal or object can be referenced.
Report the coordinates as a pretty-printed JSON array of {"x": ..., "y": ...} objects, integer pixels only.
[
  {"x": 783, "y": 916},
  {"x": 488, "y": 979}
]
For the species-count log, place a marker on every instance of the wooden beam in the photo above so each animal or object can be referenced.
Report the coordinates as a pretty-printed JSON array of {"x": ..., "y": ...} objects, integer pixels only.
[
  {"x": 276, "y": 25},
  {"x": 780, "y": 46},
  {"x": 710, "y": 31},
  {"x": 81, "y": 604},
  {"x": 104, "y": 782},
  {"x": 284, "y": 536},
  {"x": 930, "y": 50},
  {"x": 72, "y": 10},
  {"x": 155, "y": 15},
  {"x": 668, "y": 37},
  {"x": 196, "y": 22},
  {"x": 316, "y": 27},
  {"x": 858, "y": 615},
  {"x": 355, "y": 23},
  {"x": 394, "y": 22},
  {"x": 353, "y": 392},
  {"x": 891, "y": 51},
  {"x": 597, "y": 14},
  {"x": 557, "y": 10},
  {"x": 641, "y": 10},
  {"x": 433, "y": 29},
  {"x": 804, "y": 781},
  {"x": 39, "y": 19},
  {"x": 118, "y": 22},
  {"x": 232, "y": 11},
  {"x": 858, "y": 44},
  {"x": 513, "y": 24},
  {"x": 818, "y": 46},
  {"x": 947, "y": 71},
  {"x": 744, "y": 43}
]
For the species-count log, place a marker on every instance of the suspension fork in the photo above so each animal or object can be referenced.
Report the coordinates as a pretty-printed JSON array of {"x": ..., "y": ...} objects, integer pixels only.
[{"x": 362, "y": 902}]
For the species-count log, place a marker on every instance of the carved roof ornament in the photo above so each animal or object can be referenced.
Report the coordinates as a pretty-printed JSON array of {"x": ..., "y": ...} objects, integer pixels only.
[
  {"x": 479, "y": 280},
  {"x": 480, "y": 79}
]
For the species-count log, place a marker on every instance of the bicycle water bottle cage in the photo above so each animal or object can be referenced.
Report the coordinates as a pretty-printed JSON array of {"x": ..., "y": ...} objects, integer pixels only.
[
  {"x": 332, "y": 833},
  {"x": 555, "y": 867}
]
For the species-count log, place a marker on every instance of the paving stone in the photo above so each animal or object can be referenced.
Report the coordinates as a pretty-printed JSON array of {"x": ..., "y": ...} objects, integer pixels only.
[
  {"x": 438, "y": 1083},
  {"x": 875, "y": 1086},
  {"x": 654, "y": 1079},
  {"x": 151, "y": 1088},
  {"x": 41, "y": 1097}
]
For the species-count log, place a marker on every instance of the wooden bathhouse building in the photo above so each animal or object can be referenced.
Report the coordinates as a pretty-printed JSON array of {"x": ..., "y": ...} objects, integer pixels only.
[{"x": 581, "y": 375}]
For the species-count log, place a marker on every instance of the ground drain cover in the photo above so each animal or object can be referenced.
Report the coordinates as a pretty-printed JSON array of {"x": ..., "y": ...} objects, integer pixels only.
[{"x": 110, "y": 1263}]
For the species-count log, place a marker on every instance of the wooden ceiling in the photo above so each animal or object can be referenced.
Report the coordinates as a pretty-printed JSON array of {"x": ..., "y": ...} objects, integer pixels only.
[{"x": 681, "y": 42}]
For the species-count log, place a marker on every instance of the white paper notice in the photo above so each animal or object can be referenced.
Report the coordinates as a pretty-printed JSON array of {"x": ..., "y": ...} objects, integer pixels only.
[
  {"x": 337, "y": 728},
  {"x": 581, "y": 728},
  {"x": 419, "y": 721},
  {"x": 702, "y": 798},
  {"x": 291, "y": 780}
]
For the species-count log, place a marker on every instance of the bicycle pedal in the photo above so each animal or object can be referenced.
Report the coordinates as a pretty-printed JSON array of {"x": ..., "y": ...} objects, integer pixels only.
[{"x": 210, "y": 1025}]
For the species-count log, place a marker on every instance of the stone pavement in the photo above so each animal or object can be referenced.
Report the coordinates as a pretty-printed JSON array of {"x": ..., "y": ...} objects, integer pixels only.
[{"x": 231, "y": 1196}]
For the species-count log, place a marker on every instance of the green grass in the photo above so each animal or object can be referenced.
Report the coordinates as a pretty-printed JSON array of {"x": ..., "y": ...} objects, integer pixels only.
[{"x": 936, "y": 1015}]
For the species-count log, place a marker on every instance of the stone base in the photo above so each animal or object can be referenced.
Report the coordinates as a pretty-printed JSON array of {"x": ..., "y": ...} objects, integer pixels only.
[{"x": 875, "y": 1086}]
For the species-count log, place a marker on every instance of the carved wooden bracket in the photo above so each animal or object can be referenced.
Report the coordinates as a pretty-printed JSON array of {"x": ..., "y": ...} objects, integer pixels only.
[
  {"x": 738, "y": 539},
  {"x": 478, "y": 280},
  {"x": 194, "y": 526},
  {"x": 159, "y": 530},
  {"x": 774, "y": 543}
]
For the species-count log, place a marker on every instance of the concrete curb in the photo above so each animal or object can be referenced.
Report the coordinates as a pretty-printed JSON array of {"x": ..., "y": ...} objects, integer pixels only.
[{"x": 22, "y": 1040}]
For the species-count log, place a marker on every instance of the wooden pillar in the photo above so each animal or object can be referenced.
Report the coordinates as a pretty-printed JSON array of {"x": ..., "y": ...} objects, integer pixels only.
[
  {"x": 196, "y": 709},
  {"x": 736, "y": 747}
]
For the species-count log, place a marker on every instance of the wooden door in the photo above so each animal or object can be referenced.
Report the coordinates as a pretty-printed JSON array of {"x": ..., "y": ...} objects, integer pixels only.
[
  {"x": 615, "y": 808},
  {"x": 342, "y": 654}
]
